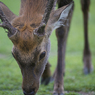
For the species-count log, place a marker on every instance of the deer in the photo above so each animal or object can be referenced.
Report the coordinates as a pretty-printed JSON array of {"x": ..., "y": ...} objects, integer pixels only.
[{"x": 30, "y": 32}]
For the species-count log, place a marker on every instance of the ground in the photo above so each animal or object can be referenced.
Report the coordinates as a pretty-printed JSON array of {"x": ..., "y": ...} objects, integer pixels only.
[{"x": 75, "y": 82}]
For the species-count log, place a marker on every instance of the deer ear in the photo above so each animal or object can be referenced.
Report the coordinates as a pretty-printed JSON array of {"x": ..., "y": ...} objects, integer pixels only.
[
  {"x": 58, "y": 17},
  {"x": 9, "y": 15}
]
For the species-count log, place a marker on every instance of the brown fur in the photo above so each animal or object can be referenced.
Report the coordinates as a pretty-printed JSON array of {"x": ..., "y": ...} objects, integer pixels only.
[
  {"x": 34, "y": 7},
  {"x": 29, "y": 16}
]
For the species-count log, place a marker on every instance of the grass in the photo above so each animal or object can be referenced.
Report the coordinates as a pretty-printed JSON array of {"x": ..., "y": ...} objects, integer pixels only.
[{"x": 75, "y": 83}]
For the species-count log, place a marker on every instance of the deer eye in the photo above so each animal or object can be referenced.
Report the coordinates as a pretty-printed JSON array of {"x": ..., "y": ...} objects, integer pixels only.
[{"x": 42, "y": 55}]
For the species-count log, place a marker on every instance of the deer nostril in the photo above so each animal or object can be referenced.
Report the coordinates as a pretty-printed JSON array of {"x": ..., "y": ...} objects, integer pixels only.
[{"x": 31, "y": 93}]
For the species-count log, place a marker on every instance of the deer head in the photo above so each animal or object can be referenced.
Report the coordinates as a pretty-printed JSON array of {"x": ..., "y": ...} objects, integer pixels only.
[{"x": 30, "y": 33}]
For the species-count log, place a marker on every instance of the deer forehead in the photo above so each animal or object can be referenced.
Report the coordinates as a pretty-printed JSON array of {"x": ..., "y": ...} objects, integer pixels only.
[
  {"x": 28, "y": 44},
  {"x": 34, "y": 20},
  {"x": 28, "y": 56},
  {"x": 26, "y": 27}
]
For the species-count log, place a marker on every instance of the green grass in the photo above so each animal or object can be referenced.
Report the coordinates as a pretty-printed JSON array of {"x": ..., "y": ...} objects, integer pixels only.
[{"x": 74, "y": 81}]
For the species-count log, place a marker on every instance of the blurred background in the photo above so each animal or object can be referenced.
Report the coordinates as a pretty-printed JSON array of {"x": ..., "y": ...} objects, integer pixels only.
[{"x": 75, "y": 81}]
